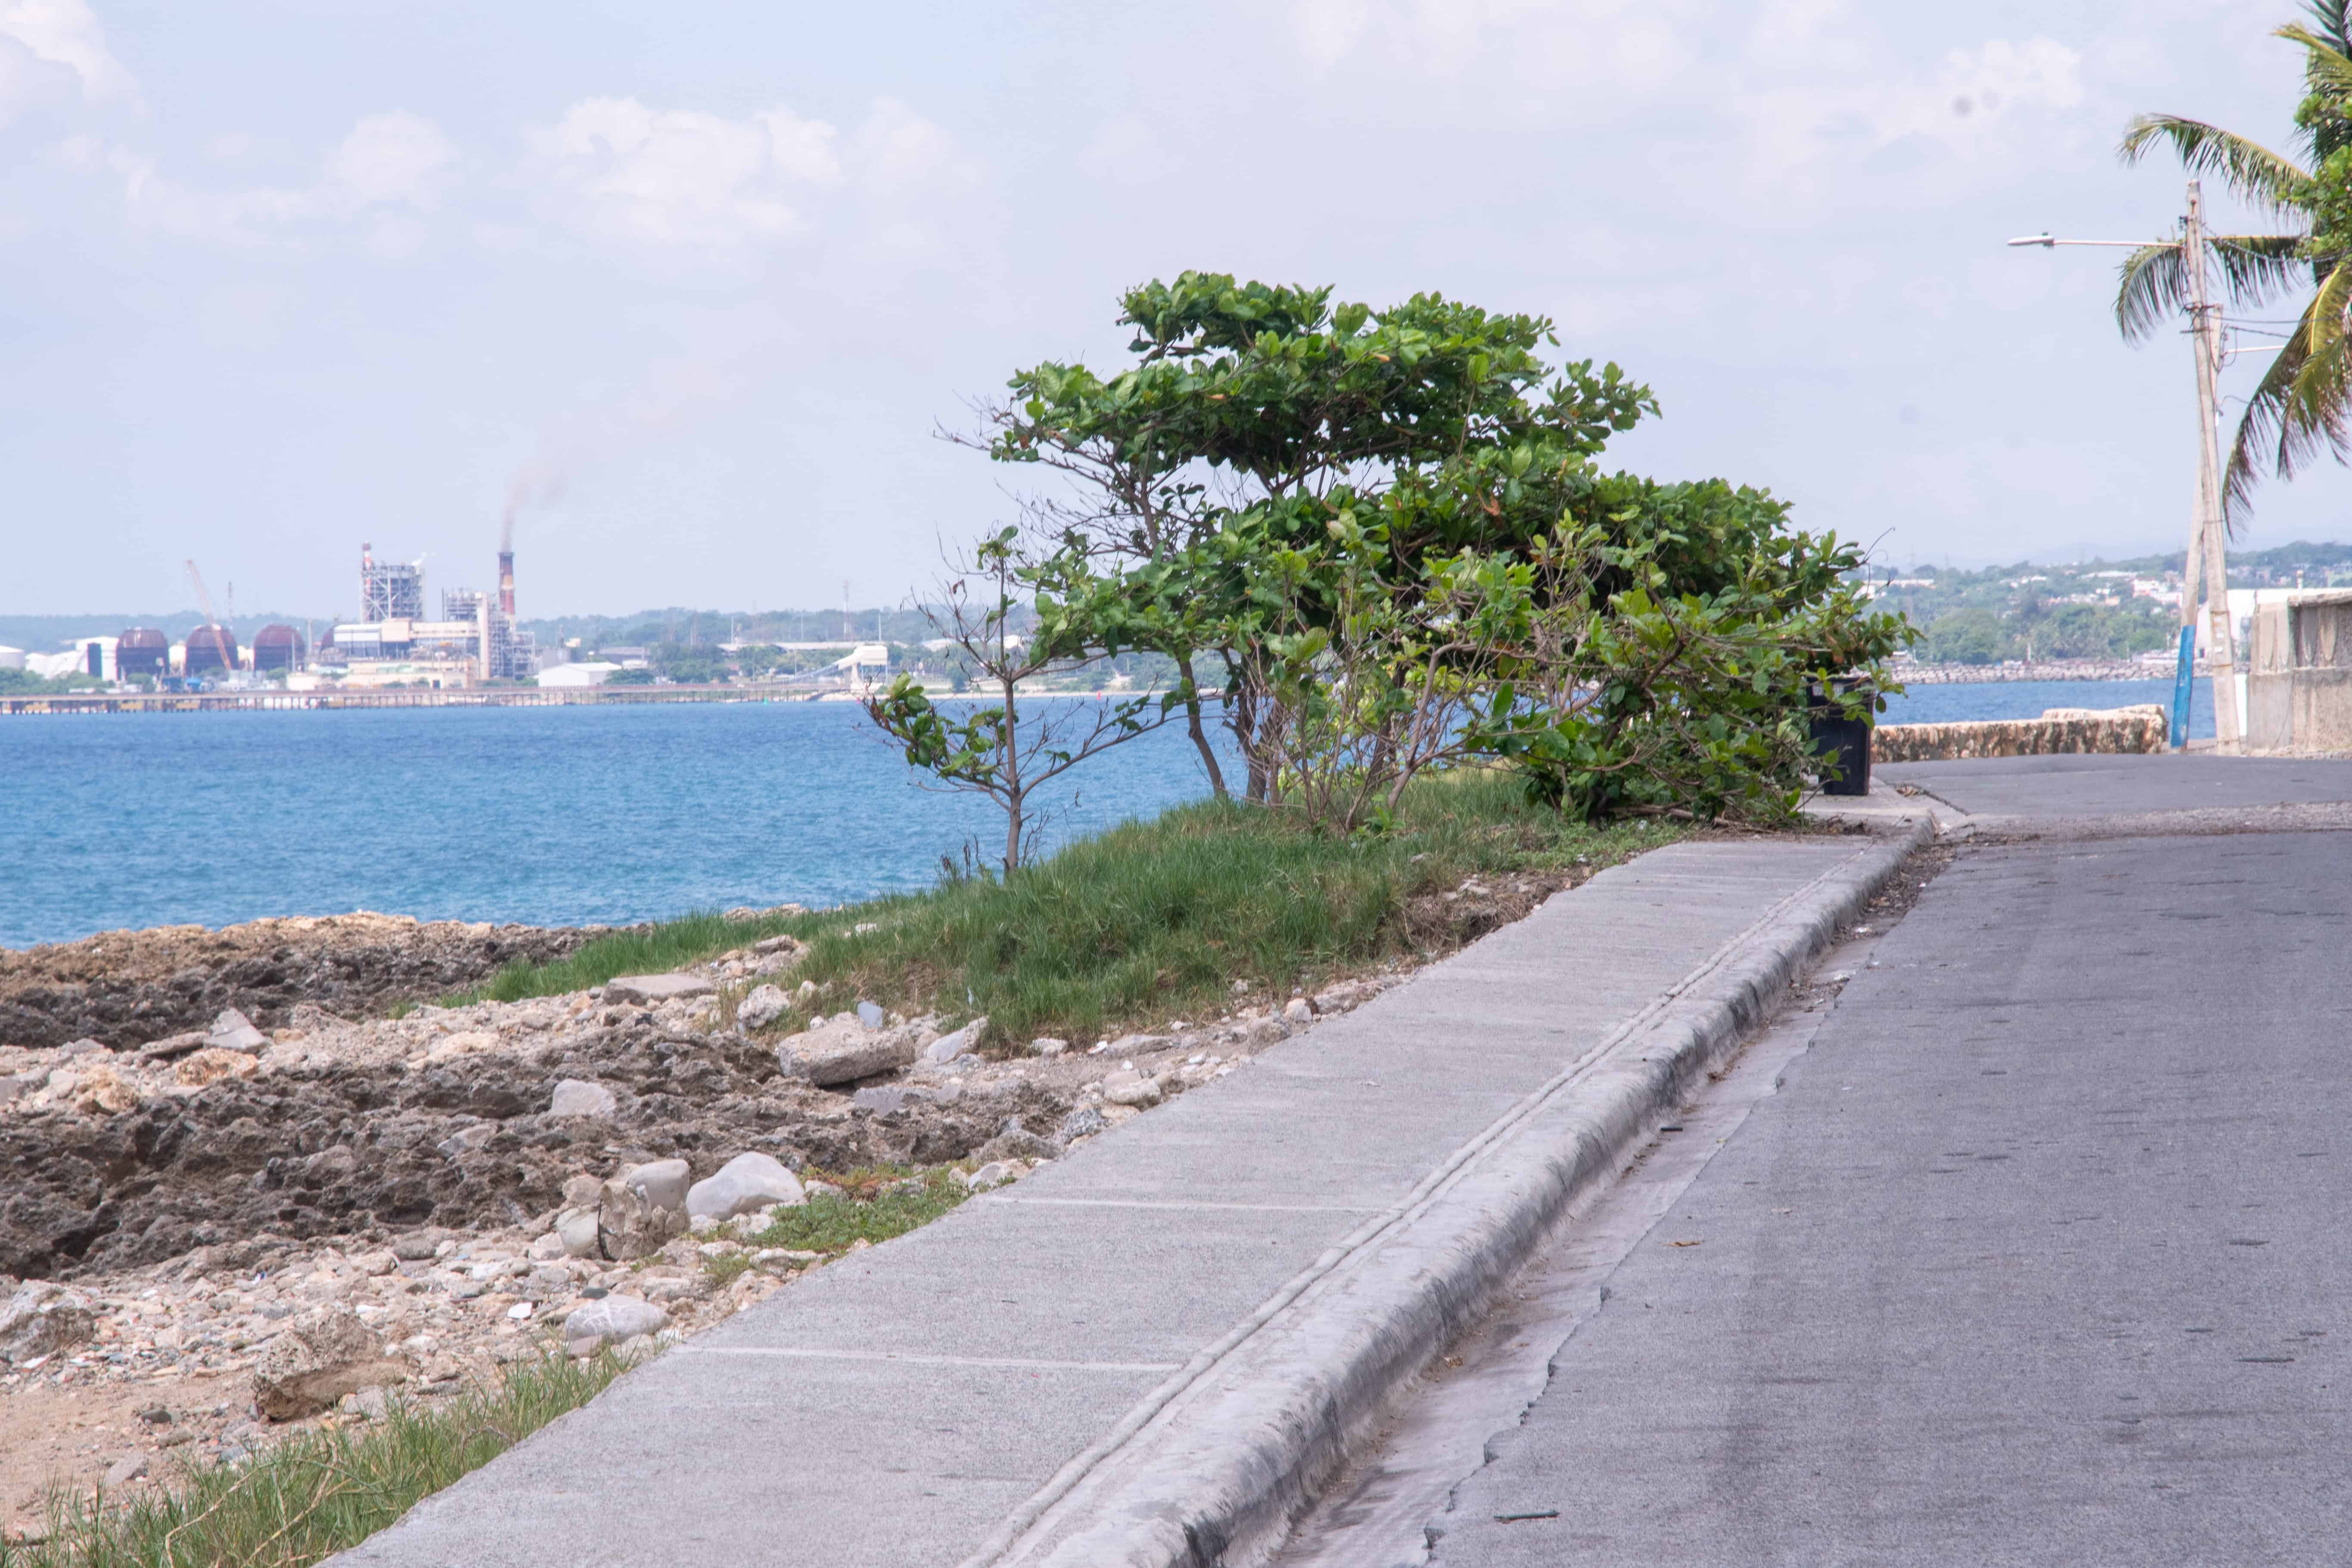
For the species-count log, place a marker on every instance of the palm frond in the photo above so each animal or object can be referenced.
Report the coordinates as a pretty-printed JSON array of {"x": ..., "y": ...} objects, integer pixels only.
[
  {"x": 2255, "y": 267},
  {"x": 2325, "y": 66},
  {"x": 2303, "y": 405},
  {"x": 2151, "y": 290},
  {"x": 2253, "y": 172},
  {"x": 2333, "y": 21}
]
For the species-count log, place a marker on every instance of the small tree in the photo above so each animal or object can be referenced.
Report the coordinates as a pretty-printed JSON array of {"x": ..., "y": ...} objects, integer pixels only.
[{"x": 1002, "y": 750}]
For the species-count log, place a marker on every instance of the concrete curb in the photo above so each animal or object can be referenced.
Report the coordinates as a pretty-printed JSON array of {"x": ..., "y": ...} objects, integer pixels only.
[{"x": 1211, "y": 1467}]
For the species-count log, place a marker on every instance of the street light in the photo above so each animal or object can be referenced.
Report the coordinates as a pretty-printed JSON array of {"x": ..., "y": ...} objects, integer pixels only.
[{"x": 2205, "y": 541}]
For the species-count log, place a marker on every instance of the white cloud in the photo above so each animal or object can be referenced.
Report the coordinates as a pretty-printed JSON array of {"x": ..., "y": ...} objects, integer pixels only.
[
  {"x": 388, "y": 162},
  {"x": 57, "y": 33},
  {"x": 617, "y": 169},
  {"x": 393, "y": 159},
  {"x": 896, "y": 147}
]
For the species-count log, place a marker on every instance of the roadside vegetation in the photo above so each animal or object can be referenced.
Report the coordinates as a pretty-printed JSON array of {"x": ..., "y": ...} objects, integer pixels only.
[
  {"x": 1152, "y": 920},
  {"x": 314, "y": 1494}
]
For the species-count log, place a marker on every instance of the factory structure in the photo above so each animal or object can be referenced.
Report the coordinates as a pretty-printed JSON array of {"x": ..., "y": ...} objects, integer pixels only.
[{"x": 392, "y": 643}]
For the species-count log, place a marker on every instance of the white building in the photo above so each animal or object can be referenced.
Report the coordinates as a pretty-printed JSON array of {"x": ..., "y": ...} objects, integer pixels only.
[{"x": 595, "y": 672}]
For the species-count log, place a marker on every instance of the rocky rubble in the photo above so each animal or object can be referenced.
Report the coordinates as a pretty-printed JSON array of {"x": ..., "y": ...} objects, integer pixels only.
[
  {"x": 123, "y": 988},
  {"x": 242, "y": 1225}
]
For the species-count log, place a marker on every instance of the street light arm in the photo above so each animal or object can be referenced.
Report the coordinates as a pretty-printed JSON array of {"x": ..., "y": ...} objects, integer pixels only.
[{"x": 2046, "y": 241}]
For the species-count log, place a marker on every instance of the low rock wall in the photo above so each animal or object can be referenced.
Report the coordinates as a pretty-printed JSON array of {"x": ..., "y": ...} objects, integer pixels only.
[{"x": 2108, "y": 730}]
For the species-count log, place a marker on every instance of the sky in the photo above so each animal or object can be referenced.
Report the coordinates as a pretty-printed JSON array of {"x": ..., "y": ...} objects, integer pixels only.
[{"x": 695, "y": 286}]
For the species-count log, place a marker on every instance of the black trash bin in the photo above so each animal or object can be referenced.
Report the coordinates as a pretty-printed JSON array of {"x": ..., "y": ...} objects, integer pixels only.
[{"x": 1841, "y": 743}]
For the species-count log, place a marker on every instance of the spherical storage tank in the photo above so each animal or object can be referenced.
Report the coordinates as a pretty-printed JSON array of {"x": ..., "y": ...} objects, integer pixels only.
[
  {"x": 277, "y": 648},
  {"x": 205, "y": 654},
  {"x": 142, "y": 651}
]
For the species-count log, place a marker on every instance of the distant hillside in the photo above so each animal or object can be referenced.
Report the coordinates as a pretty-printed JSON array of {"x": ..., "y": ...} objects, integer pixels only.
[{"x": 45, "y": 633}]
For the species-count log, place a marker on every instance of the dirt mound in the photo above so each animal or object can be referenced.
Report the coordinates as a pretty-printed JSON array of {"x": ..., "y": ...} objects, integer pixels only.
[{"x": 124, "y": 988}]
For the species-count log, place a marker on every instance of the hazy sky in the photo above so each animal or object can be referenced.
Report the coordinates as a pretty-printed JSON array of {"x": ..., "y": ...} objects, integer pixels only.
[{"x": 277, "y": 278}]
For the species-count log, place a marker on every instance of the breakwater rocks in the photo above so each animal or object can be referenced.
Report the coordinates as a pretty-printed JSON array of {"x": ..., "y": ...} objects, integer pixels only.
[
  {"x": 2107, "y": 730},
  {"x": 1923, "y": 674},
  {"x": 126, "y": 988}
]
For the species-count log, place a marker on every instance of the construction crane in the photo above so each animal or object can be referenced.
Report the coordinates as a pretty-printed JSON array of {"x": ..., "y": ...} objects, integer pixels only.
[{"x": 205, "y": 602}]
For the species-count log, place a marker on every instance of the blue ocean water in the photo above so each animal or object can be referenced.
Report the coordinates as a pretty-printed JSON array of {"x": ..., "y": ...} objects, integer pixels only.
[
  {"x": 550, "y": 816},
  {"x": 2027, "y": 698},
  {"x": 554, "y": 815}
]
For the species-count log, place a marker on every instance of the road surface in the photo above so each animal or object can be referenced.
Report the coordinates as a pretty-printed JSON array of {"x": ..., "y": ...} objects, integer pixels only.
[{"x": 2039, "y": 1256}]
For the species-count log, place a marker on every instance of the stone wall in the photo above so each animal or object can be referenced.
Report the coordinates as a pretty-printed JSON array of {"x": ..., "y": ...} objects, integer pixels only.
[{"x": 2059, "y": 729}]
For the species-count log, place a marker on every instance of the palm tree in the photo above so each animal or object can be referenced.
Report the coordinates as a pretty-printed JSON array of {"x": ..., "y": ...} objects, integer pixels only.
[{"x": 2305, "y": 402}]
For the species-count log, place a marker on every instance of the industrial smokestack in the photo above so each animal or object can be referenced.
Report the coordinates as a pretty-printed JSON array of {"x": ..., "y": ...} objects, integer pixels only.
[{"x": 505, "y": 583}]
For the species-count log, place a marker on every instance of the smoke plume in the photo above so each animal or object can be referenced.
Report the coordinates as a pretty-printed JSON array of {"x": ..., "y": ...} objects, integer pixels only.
[{"x": 535, "y": 483}]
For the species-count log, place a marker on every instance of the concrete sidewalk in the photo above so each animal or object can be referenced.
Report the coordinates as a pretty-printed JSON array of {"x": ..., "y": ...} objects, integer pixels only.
[{"x": 901, "y": 1406}]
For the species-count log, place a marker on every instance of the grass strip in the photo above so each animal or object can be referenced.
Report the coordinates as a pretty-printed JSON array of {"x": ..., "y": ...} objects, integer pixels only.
[
  {"x": 1148, "y": 921},
  {"x": 316, "y": 1493}
]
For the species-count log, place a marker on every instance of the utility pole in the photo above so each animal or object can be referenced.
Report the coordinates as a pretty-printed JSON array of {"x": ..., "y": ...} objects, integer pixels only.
[
  {"x": 2207, "y": 542},
  {"x": 2205, "y": 563}
]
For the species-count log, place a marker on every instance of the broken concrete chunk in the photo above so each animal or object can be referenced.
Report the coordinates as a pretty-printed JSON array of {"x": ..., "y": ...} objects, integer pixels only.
[
  {"x": 844, "y": 1048},
  {"x": 578, "y": 1096},
  {"x": 653, "y": 990},
  {"x": 763, "y": 1006},
  {"x": 42, "y": 1319},
  {"x": 320, "y": 1357},
  {"x": 211, "y": 1064}
]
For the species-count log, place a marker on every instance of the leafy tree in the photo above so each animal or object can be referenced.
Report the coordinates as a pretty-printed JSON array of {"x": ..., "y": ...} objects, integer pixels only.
[
  {"x": 1008, "y": 750},
  {"x": 1293, "y": 500},
  {"x": 2304, "y": 404}
]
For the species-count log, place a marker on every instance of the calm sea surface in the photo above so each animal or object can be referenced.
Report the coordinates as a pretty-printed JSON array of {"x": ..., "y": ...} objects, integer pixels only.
[{"x": 552, "y": 816}]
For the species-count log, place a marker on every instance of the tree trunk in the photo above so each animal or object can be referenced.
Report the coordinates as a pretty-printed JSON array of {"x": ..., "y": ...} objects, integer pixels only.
[
  {"x": 1193, "y": 724},
  {"x": 1009, "y": 769}
]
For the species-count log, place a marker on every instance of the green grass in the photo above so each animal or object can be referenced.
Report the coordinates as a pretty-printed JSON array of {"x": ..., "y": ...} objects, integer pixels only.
[
  {"x": 881, "y": 1202},
  {"x": 1150, "y": 921},
  {"x": 314, "y": 1494},
  {"x": 649, "y": 950}
]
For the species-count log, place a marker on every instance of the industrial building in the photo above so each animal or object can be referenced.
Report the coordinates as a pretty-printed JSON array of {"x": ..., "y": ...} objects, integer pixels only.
[
  {"x": 392, "y": 643},
  {"x": 278, "y": 647},
  {"x": 142, "y": 653},
  {"x": 390, "y": 590}
]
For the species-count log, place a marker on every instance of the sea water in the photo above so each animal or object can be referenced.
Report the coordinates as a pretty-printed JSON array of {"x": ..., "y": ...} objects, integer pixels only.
[{"x": 557, "y": 816}]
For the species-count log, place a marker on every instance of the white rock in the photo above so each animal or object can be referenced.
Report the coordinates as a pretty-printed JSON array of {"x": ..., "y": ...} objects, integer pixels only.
[
  {"x": 614, "y": 1318},
  {"x": 545, "y": 1248},
  {"x": 125, "y": 1470},
  {"x": 1046, "y": 1045},
  {"x": 995, "y": 1173},
  {"x": 652, "y": 990},
  {"x": 233, "y": 1031},
  {"x": 763, "y": 1006},
  {"x": 747, "y": 1183},
  {"x": 1130, "y": 1088},
  {"x": 1298, "y": 1010},
  {"x": 661, "y": 1183},
  {"x": 575, "y": 1231},
  {"x": 578, "y": 1096},
  {"x": 947, "y": 1048}
]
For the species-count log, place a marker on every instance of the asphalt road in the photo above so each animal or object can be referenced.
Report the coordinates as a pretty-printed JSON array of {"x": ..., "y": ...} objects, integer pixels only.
[{"x": 2039, "y": 1256}]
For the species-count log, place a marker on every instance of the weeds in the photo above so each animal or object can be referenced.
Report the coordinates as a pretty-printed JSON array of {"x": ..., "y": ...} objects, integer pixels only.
[
  {"x": 1150, "y": 921},
  {"x": 878, "y": 1202},
  {"x": 315, "y": 1494}
]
